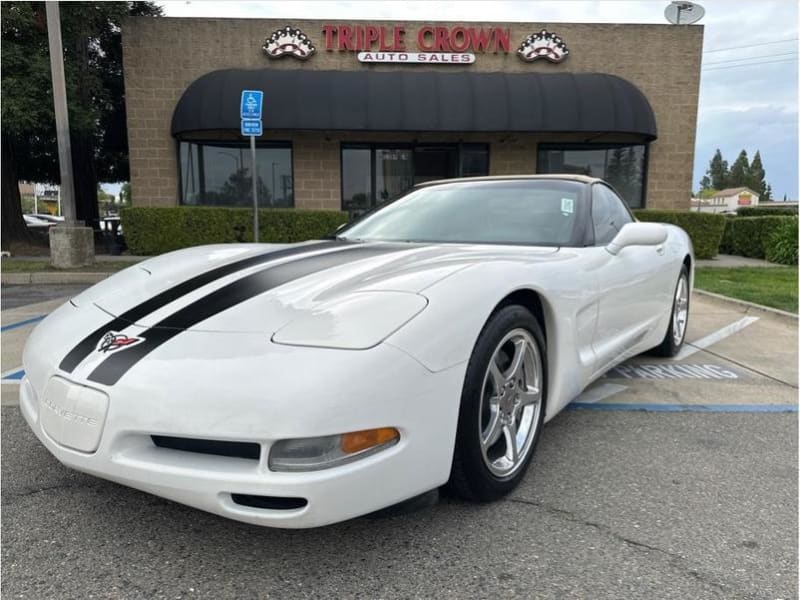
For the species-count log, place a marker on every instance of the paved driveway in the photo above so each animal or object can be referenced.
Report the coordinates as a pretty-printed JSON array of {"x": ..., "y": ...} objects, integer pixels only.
[{"x": 619, "y": 503}]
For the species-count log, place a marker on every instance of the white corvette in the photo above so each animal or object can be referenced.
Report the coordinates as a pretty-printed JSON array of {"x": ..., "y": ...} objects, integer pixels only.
[{"x": 300, "y": 385}]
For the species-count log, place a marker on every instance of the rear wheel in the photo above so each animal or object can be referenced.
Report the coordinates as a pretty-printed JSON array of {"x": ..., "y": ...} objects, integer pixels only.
[
  {"x": 679, "y": 318},
  {"x": 502, "y": 406}
]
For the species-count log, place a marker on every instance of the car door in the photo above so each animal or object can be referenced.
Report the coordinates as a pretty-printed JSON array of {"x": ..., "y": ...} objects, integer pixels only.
[{"x": 629, "y": 283}]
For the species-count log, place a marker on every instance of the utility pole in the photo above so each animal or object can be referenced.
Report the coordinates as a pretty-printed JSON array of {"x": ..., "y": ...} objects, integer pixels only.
[
  {"x": 62, "y": 117},
  {"x": 71, "y": 244}
]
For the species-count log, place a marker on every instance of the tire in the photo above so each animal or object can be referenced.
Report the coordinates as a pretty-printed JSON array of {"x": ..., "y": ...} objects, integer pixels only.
[
  {"x": 672, "y": 342},
  {"x": 501, "y": 399}
]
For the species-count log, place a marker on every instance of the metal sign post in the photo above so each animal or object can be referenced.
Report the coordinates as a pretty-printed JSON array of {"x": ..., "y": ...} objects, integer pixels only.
[
  {"x": 255, "y": 191},
  {"x": 250, "y": 113}
]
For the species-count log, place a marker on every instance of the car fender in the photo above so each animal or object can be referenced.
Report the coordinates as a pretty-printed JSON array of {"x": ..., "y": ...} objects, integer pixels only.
[{"x": 445, "y": 333}]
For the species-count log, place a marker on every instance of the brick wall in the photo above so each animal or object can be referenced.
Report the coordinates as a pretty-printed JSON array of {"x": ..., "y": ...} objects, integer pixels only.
[{"x": 163, "y": 56}]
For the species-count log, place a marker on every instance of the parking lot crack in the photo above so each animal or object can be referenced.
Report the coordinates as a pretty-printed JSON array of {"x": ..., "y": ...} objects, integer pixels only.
[
  {"x": 33, "y": 491},
  {"x": 676, "y": 560}
]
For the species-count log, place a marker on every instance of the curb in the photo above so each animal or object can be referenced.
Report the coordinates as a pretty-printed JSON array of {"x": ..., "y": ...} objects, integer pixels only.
[
  {"x": 749, "y": 305},
  {"x": 51, "y": 278}
]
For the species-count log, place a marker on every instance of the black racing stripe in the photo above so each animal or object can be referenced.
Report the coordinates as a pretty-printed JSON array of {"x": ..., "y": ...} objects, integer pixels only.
[
  {"x": 87, "y": 345},
  {"x": 116, "y": 365}
]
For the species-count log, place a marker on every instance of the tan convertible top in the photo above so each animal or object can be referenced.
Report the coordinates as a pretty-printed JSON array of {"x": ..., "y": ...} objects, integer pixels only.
[{"x": 560, "y": 176}]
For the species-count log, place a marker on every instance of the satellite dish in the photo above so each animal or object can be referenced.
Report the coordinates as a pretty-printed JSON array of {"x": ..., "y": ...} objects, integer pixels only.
[{"x": 684, "y": 13}]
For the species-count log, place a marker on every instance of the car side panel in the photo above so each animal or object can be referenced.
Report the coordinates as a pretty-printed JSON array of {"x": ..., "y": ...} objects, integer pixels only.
[{"x": 445, "y": 333}]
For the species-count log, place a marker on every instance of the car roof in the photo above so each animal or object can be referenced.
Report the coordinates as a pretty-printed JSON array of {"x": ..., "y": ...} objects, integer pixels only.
[{"x": 557, "y": 176}]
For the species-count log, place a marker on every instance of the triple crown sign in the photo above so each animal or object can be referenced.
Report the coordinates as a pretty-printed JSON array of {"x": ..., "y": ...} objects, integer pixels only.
[{"x": 250, "y": 112}]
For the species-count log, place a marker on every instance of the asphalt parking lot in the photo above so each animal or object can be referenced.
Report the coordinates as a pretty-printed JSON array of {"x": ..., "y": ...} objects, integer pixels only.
[{"x": 668, "y": 479}]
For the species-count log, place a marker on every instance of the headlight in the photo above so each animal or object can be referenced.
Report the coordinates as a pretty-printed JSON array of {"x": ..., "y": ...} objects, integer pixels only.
[
  {"x": 313, "y": 454},
  {"x": 358, "y": 321}
]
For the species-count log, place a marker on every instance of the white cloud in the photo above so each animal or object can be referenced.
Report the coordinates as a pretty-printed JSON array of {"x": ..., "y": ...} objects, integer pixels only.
[{"x": 738, "y": 106}]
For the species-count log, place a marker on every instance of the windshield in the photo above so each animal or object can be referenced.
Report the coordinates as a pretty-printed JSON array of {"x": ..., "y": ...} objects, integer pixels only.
[{"x": 541, "y": 212}]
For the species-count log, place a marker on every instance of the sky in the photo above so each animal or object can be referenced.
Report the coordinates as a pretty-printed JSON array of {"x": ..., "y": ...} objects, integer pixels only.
[{"x": 748, "y": 94}]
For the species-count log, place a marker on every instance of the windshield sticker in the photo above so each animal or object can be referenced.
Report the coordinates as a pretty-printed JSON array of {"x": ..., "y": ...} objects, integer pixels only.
[{"x": 567, "y": 206}]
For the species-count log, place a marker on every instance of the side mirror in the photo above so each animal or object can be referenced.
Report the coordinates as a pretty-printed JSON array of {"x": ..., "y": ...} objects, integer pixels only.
[{"x": 638, "y": 234}]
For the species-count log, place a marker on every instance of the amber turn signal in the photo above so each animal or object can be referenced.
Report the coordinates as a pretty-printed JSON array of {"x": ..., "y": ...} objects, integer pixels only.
[{"x": 357, "y": 441}]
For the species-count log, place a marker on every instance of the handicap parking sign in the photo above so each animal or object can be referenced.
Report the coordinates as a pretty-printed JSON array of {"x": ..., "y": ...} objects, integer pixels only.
[{"x": 250, "y": 107}]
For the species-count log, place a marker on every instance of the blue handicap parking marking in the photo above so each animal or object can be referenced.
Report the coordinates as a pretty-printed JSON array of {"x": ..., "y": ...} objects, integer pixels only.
[
  {"x": 711, "y": 408},
  {"x": 30, "y": 321},
  {"x": 14, "y": 375}
]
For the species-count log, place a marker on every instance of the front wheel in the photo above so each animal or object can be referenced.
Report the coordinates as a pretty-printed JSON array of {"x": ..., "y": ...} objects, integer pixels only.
[
  {"x": 502, "y": 406},
  {"x": 679, "y": 318}
]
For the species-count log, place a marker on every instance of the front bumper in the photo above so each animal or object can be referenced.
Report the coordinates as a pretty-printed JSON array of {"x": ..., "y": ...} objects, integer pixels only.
[{"x": 259, "y": 392}]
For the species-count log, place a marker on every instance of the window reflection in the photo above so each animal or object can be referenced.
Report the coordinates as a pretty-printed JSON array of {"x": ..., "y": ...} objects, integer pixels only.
[
  {"x": 621, "y": 166},
  {"x": 221, "y": 175},
  {"x": 376, "y": 173},
  {"x": 356, "y": 179},
  {"x": 394, "y": 173}
]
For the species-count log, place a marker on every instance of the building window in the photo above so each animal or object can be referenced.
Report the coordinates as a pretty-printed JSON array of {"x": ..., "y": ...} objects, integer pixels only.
[
  {"x": 376, "y": 173},
  {"x": 220, "y": 174},
  {"x": 623, "y": 166}
]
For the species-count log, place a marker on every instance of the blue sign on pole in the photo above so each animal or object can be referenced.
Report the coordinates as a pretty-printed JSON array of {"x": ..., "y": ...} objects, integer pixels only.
[
  {"x": 251, "y": 127},
  {"x": 251, "y": 104}
]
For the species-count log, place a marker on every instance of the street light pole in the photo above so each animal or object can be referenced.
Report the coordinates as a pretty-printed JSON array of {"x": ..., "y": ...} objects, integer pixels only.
[
  {"x": 62, "y": 117},
  {"x": 71, "y": 244}
]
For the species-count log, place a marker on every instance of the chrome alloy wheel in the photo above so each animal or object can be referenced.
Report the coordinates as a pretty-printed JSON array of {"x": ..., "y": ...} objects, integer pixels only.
[
  {"x": 511, "y": 403},
  {"x": 680, "y": 310}
]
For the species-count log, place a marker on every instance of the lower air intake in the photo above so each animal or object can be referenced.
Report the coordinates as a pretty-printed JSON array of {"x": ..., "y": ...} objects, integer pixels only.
[
  {"x": 269, "y": 502},
  {"x": 219, "y": 448}
]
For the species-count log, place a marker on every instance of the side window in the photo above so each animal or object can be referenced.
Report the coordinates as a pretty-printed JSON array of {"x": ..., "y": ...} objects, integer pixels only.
[{"x": 608, "y": 214}]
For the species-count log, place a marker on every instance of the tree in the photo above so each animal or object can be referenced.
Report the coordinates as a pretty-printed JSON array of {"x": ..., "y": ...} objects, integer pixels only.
[
  {"x": 718, "y": 171},
  {"x": 95, "y": 96},
  {"x": 757, "y": 178},
  {"x": 705, "y": 184},
  {"x": 125, "y": 193},
  {"x": 740, "y": 171},
  {"x": 707, "y": 193},
  {"x": 767, "y": 197}
]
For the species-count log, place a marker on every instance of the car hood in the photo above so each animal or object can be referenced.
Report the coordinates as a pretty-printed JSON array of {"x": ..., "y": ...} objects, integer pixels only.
[{"x": 278, "y": 283}]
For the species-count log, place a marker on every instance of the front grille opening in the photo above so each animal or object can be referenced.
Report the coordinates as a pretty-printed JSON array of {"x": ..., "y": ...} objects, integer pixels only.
[
  {"x": 270, "y": 502},
  {"x": 219, "y": 448}
]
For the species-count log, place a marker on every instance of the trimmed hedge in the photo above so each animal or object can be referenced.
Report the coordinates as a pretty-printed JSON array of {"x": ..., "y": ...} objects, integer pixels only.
[
  {"x": 726, "y": 244},
  {"x": 155, "y": 230},
  {"x": 750, "y": 234},
  {"x": 781, "y": 244},
  {"x": 767, "y": 211},
  {"x": 704, "y": 229}
]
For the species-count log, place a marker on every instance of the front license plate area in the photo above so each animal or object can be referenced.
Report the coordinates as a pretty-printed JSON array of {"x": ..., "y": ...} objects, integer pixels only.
[{"x": 73, "y": 415}]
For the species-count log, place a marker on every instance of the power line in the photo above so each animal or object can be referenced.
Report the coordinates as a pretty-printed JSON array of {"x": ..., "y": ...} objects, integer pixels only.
[
  {"x": 758, "y": 64},
  {"x": 750, "y": 58},
  {"x": 751, "y": 45}
]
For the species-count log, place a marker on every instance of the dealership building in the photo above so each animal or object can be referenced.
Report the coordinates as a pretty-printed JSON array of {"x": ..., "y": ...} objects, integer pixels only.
[{"x": 357, "y": 112}]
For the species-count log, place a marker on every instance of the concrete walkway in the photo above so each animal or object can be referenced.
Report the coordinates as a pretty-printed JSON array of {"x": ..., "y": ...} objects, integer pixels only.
[
  {"x": 97, "y": 258},
  {"x": 729, "y": 260}
]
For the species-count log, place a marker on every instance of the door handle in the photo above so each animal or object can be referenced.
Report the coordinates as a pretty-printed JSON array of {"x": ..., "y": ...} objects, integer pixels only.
[{"x": 660, "y": 250}]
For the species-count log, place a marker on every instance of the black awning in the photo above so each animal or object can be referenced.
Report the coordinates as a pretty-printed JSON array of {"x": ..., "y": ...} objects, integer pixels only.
[{"x": 419, "y": 101}]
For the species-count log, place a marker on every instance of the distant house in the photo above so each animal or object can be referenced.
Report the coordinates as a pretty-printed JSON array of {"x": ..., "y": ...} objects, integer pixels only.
[
  {"x": 40, "y": 197},
  {"x": 730, "y": 199}
]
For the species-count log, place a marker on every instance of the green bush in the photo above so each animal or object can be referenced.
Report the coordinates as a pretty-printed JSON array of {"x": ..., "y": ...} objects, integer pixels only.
[
  {"x": 781, "y": 245},
  {"x": 155, "y": 230},
  {"x": 767, "y": 211},
  {"x": 726, "y": 243},
  {"x": 704, "y": 229},
  {"x": 750, "y": 234}
]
